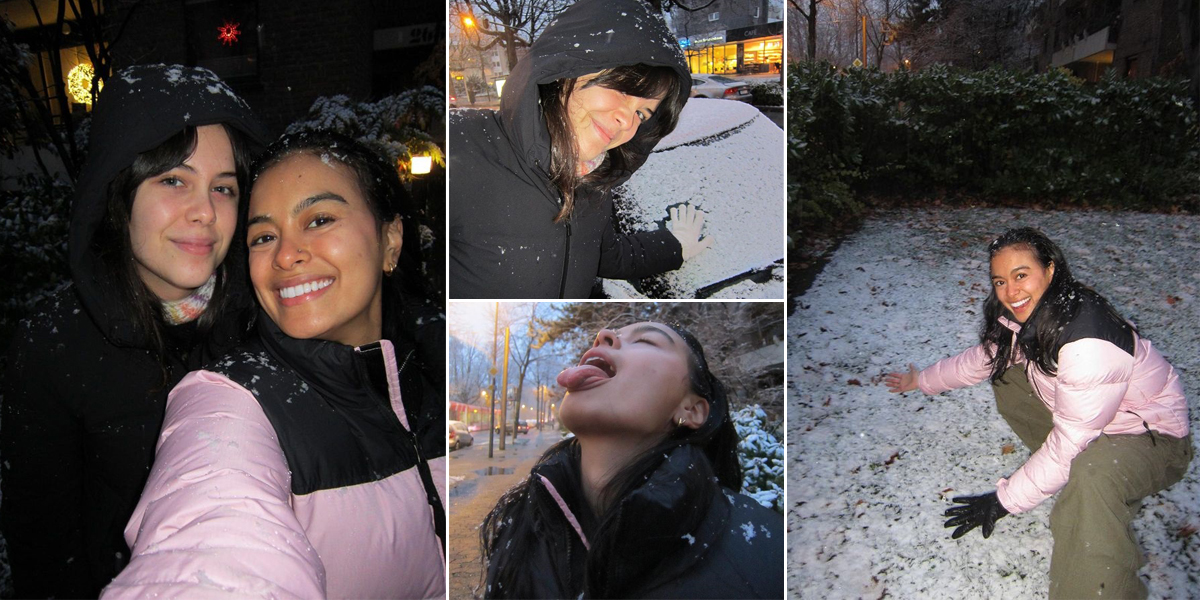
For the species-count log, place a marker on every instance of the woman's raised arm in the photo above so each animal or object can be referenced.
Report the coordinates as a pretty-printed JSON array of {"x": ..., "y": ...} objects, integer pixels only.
[{"x": 216, "y": 515}]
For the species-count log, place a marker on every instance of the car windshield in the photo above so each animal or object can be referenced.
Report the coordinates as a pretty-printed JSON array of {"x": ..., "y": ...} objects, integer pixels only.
[{"x": 719, "y": 79}]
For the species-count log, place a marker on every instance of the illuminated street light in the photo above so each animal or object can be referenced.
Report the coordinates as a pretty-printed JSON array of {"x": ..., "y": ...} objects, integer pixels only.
[{"x": 422, "y": 165}]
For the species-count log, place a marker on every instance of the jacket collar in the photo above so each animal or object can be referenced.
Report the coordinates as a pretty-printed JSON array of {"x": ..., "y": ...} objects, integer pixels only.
[
  {"x": 339, "y": 372},
  {"x": 652, "y": 545}
]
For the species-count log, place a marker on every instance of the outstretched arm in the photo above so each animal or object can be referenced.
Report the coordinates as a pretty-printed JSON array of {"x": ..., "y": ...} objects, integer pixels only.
[{"x": 216, "y": 515}]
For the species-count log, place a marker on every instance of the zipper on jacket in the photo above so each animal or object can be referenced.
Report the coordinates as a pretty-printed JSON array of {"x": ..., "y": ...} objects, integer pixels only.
[
  {"x": 562, "y": 286},
  {"x": 431, "y": 494}
]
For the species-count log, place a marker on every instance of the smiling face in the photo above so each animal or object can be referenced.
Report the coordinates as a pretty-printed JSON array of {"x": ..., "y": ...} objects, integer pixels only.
[
  {"x": 602, "y": 118},
  {"x": 633, "y": 383},
  {"x": 1020, "y": 280},
  {"x": 182, "y": 221},
  {"x": 317, "y": 254}
]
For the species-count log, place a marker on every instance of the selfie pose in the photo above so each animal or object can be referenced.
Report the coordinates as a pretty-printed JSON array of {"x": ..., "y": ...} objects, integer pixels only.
[
  {"x": 310, "y": 461},
  {"x": 1102, "y": 412},
  {"x": 531, "y": 208},
  {"x": 157, "y": 290},
  {"x": 643, "y": 501}
]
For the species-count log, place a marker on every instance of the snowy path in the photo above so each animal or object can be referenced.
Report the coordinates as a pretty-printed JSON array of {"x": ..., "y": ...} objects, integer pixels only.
[{"x": 870, "y": 473}]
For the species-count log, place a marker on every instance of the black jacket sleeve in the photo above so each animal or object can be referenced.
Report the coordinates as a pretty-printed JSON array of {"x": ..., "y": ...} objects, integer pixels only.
[
  {"x": 638, "y": 255},
  {"x": 41, "y": 449}
]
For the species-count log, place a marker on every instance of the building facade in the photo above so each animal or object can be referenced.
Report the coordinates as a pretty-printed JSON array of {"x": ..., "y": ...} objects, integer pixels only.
[
  {"x": 1138, "y": 38},
  {"x": 732, "y": 36}
]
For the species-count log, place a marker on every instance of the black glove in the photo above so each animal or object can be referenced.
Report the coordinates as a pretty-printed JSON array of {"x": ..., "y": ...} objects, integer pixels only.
[{"x": 983, "y": 510}]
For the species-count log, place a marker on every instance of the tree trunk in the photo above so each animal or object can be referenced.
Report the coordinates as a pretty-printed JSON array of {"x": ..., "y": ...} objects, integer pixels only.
[{"x": 812, "y": 30}]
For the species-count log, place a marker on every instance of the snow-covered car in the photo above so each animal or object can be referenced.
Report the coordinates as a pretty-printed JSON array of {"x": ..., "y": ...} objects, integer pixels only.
[
  {"x": 727, "y": 159},
  {"x": 460, "y": 435},
  {"x": 724, "y": 88}
]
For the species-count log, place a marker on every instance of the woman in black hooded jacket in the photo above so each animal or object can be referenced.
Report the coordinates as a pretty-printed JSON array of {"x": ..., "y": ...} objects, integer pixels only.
[
  {"x": 153, "y": 296},
  {"x": 531, "y": 212},
  {"x": 642, "y": 502}
]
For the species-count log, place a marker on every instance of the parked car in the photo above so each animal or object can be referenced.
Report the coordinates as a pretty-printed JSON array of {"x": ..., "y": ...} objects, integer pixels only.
[
  {"x": 724, "y": 157},
  {"x": 459, "y": 435},
  {"x": 716, "y": 86}
]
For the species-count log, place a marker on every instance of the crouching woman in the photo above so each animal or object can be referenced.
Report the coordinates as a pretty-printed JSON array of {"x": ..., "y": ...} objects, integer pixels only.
[
  {"x": 642, "y": 501},
  {"x": 309, "y": 462}
]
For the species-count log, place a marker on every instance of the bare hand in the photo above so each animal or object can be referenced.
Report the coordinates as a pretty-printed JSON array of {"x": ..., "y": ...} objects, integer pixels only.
[
  {"x": 685, "y": 224},
  {"x": 902, "y": 382}
]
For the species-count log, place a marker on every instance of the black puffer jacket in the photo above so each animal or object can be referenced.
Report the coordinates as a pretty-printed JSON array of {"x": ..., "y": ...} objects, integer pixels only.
[
  {"x": 503, "y": 239},
  {"x": 735, "y": 551},
  {"x": 83, "y": 393}
]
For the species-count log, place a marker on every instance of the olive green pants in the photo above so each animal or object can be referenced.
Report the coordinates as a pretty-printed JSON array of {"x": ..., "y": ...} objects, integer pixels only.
[{"x": 1095, "y": 553}]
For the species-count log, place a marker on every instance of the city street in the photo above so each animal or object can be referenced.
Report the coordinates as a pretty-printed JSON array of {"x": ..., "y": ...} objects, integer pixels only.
[{"x": 476, "y": 482}]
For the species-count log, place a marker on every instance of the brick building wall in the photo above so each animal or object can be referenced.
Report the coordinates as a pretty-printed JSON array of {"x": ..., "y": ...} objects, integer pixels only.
[{"x": 306, "y": 49}]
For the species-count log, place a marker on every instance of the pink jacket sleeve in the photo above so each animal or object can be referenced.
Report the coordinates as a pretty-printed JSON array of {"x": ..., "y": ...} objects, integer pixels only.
[
  {"x": 963, "y": 370},
  {"x": 1093, "y": 376},
  {"x": 215, "y": 518}
]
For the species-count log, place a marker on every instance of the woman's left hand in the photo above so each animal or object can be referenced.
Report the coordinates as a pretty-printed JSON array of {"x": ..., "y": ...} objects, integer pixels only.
[
  {"x": 685, "y": 224},
  {"x": 977, "y": 511}
]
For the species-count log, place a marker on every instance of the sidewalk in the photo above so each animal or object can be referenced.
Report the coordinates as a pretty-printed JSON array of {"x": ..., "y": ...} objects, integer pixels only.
[{"x": 473, "y": 493}]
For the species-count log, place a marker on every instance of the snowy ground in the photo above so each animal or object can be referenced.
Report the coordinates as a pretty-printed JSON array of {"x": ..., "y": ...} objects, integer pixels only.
[
  {"x": 870, "y": 473},
  {"x": 724, "y": 157}
]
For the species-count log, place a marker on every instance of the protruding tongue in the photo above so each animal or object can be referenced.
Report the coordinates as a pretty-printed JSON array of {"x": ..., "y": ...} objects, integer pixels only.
[{"x": 581, "y": 377}]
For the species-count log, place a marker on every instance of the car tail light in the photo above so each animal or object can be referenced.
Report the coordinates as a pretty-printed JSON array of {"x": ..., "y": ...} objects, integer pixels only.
[{"x": 731, "y": 91}]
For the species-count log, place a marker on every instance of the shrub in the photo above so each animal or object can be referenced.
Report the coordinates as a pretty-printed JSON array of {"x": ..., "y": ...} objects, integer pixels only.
[
  {"x": 761, "y": 455},
  {"x": 34, "y": 221},
  {"x": 997, "y": 133},
  {"x": 767, "y": 94}
]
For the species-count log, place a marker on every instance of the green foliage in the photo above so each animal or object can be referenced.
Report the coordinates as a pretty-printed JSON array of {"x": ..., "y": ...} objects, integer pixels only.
[
  {"x": 1001, "y": 134},
  {"x": 34, "y": 220},
  {"x": 398, "y": 126},
  {"x": 767, "y": 94},
  {"x": 760, "y": 453}
]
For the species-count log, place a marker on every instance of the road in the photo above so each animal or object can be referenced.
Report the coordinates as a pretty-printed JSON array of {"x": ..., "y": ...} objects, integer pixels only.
[{"x": 476, "y": 482}]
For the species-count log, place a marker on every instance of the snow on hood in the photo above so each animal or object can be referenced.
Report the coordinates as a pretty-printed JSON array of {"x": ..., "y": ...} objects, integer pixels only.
[
  {"x": 588, "y": 37},
  {"x": 141, "y": 107}
]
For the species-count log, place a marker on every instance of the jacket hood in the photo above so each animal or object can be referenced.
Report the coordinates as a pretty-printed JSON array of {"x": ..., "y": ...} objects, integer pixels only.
[
  {"x": 140, "y": 108},
  {"x": 588, "y": 37}
]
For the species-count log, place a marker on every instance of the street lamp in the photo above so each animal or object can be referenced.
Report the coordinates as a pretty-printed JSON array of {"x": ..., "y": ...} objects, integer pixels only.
[{"x": 421, "y": 165}]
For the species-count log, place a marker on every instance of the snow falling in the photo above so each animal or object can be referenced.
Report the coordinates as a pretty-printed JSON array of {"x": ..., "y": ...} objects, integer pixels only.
[{"x": 870, "y": 473}]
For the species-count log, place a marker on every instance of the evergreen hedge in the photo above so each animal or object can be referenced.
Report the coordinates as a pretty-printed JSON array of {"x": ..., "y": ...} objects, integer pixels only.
[{"x": 997, "y": 134}]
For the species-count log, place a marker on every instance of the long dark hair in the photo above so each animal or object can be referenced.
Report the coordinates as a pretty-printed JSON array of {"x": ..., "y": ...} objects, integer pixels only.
[
  {"x": 1059, "y": 305},
  {"x": 643, "y": 81},
  {"x": 113, "y": 245},
  {"x": 717, "y": 465},
  {"x": 406, "y": 292}
]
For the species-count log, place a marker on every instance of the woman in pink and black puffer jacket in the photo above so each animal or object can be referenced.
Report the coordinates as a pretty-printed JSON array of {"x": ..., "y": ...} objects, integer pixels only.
[
  {"x": 309, "y": 462},
  {"x": 1102, "y": 412}
]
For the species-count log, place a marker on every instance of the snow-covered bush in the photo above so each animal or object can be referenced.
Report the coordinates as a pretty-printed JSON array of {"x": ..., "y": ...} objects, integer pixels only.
[
  {"x": 397, "y": 126},
  {"x": 33, "y": 245},
  {"x": 767, "y": 94},
  {"x": 760, "y": 452}
]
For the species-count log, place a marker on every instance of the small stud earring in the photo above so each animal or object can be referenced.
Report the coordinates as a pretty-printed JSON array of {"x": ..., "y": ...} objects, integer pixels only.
[{"x": 681, "y": 421}]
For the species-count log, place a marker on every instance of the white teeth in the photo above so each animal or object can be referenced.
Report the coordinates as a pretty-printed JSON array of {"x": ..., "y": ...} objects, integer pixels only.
[
  {"x": 1021, "y": 303},
  {"x": 304, "y": 288}
]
